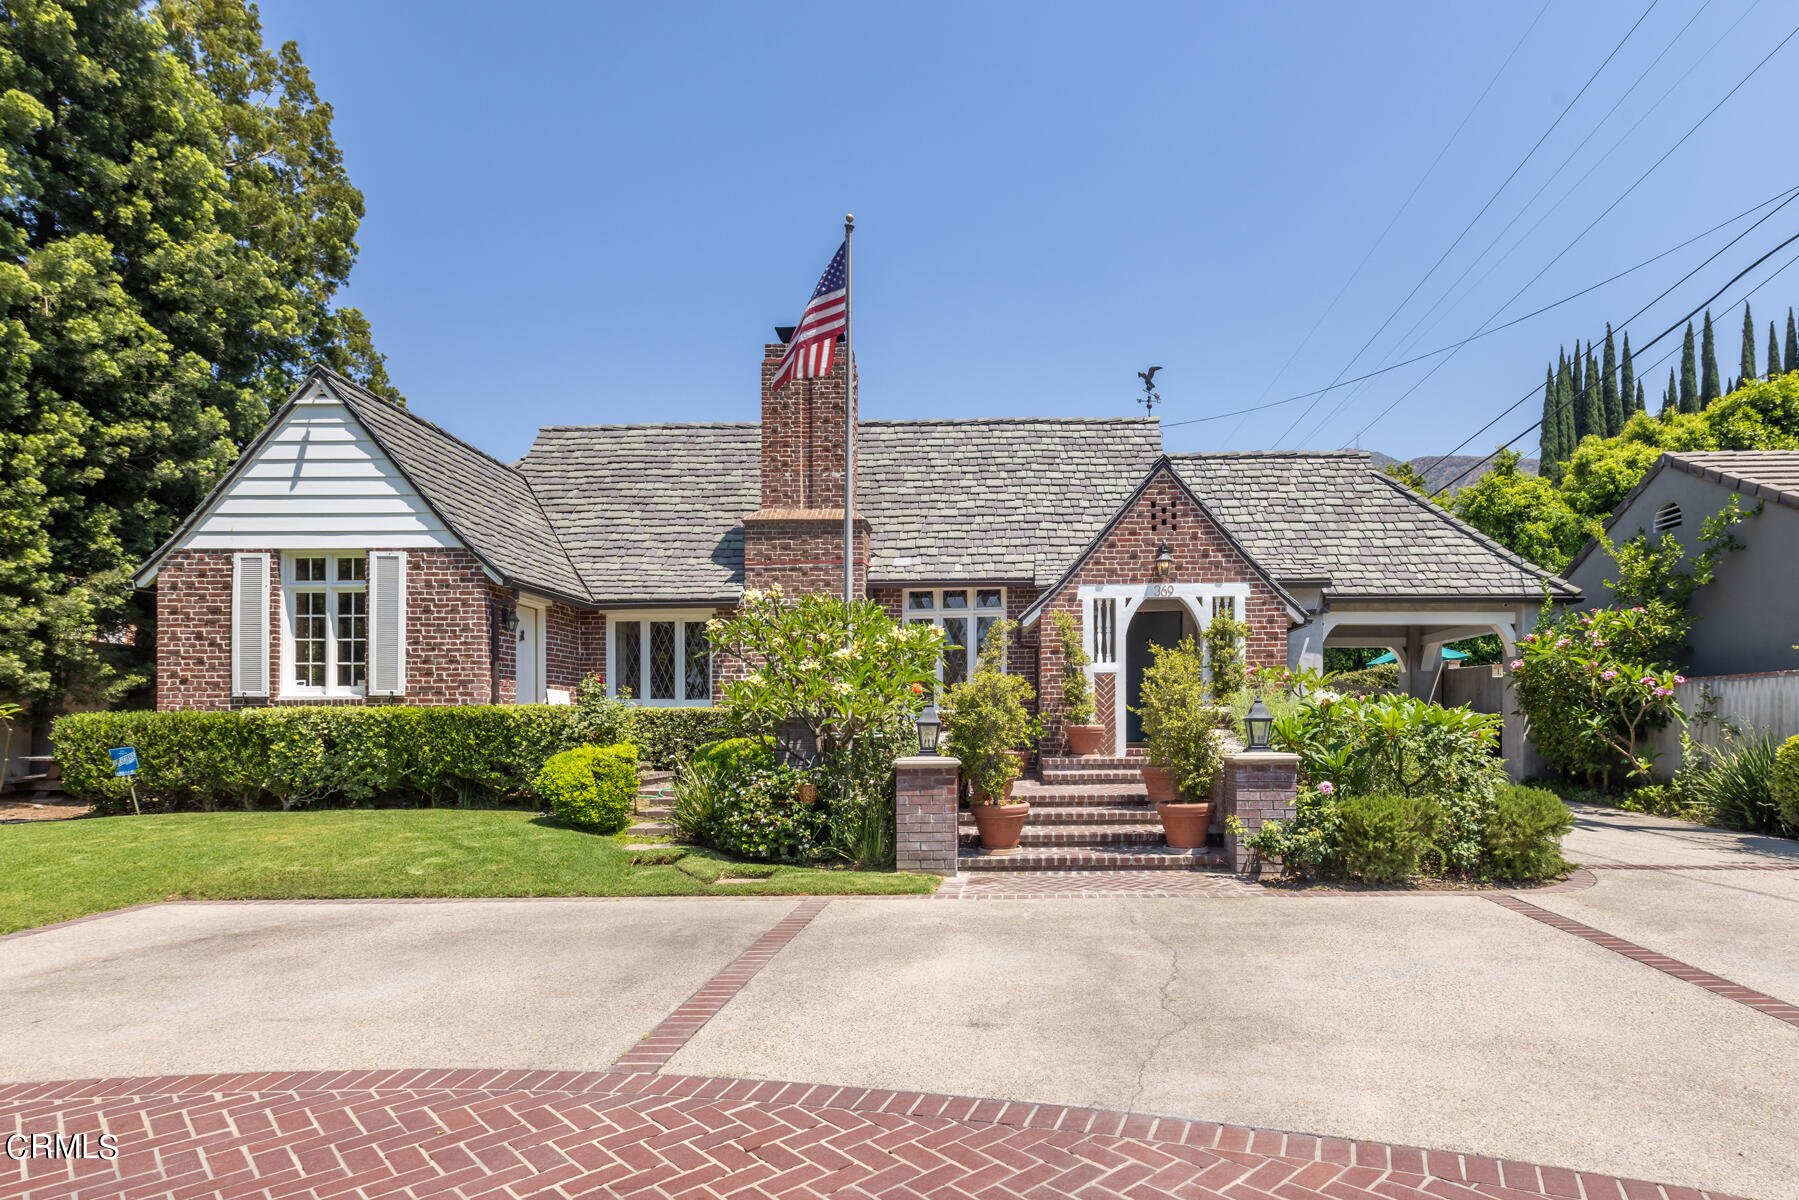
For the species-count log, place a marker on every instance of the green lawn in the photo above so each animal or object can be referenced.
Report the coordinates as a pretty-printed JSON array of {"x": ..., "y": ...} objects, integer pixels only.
[{"x": 57, "y": 870}]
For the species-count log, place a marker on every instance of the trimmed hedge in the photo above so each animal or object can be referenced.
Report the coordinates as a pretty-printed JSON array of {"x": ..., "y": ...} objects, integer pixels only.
[
  {"x": 387, "y": 754},
  {"x": 1786, "y": 785},
  {"x": 1385, "y": 837},
  {"x": 593, "y": 787},
  {"x": 1523, "y": 834}
]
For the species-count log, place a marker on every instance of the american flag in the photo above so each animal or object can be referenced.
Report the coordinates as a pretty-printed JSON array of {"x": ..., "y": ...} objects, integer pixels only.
[{"x": 827, "y": 315}]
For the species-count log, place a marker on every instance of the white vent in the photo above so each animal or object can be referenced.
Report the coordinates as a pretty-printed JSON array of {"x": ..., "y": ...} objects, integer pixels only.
[
  {"x": 387, "y": 623},
  {"x": 1667, "y": 517},
  {"x": 249, "y": 624}
]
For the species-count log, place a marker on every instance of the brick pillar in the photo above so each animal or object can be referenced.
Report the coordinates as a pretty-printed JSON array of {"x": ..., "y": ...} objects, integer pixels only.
[
  {"x": 924, "y": 819},
  {"x": 1258, "y": 786}
]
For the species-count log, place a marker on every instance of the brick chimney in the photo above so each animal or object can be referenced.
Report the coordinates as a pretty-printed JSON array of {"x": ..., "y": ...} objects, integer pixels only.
[{"x": 796, "y": 537}]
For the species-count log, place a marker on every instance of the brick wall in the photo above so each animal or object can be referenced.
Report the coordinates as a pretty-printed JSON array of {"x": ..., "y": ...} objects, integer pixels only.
[
  {"x": 925, "y": 815},
  {"x": 802, "y": 554},
  {"x": 449, "y": 631},
  {"x": 574, "y": 646},
  {"x": 802, "y": 437},
  {"x": 1127, "y": 556}
]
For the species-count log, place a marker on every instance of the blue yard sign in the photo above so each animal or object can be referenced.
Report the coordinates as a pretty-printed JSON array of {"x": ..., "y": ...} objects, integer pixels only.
[{"x": 124, "y": 761}]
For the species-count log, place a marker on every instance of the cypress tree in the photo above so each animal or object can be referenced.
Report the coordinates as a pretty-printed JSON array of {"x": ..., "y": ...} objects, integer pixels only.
[
  {"x": 1549, "y": 445},
  {"x": 1641, "y": 407},
  {"x": 1689, "y": 375},
  {"x": 1746, "y": 369},
  {"x": 1791, "y": 361},
  {"x": 1608, "y": 390},
  {"x": 1773, "y": 352},
  {"x": 1564, "y": 405},
  {"x": 1592, "y": 411},
  {"x": 1627, "y": 389},
  {"x": 1671, "y": 397},
  {"x": 1709, "y": 387}
]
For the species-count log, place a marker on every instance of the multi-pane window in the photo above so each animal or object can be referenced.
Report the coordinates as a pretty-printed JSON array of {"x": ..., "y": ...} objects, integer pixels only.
[
  {"x": 660, "y": 659},
  {"x": 327, "y": 624},
  {"x": 965, "y": 616}
]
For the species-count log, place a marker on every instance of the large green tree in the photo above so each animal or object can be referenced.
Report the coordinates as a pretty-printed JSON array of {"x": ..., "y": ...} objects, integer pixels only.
[
  {"x": 1523, "y": 512},
  {"x": 1689, "y": 374},
  {"x": 176, "y": 220},
  {"x": 1609, "y": 399},
  {"x": 1710, "y": 387},
  {"x": 1627, "y": 388},
  {"x": 1549, "y": 429},
  {"x": 1746, "y": 368},
  {"x": 1773, "y": 352}
]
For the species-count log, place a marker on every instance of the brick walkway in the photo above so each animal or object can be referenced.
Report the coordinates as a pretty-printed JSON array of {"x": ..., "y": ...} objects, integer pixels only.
[{"x": 522, "y": 1134}]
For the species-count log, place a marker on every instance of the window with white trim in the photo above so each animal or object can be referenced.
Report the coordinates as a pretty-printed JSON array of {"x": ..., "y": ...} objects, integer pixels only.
[
  {"x": 326, "y": 626},
  {"x": 659, "y": 658},
  {"x": 965, "y": 615}
]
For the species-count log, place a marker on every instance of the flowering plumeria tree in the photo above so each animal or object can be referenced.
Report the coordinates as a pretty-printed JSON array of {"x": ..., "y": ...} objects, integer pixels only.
[
  {"x": 836, "y": 669},
  {"x": 1592, "y": 693}
]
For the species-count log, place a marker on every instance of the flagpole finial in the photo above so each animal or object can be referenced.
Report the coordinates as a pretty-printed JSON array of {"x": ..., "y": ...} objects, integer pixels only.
[{"x": 849, "y": 218}]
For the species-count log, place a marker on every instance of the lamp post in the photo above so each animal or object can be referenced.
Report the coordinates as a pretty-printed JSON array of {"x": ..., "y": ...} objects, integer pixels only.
[
  {"x": 1256, "y": 724},
  {"x": 930, "y": 723}
]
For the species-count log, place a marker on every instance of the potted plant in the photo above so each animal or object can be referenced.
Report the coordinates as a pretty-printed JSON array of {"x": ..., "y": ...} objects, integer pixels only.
[
  {"x": 985, "y": 718},
  {"x": 1185, "y": 750},
  {"x": 1084, "y": 735}
]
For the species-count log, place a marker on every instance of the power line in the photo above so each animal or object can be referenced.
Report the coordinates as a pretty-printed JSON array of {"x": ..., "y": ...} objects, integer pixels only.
[
  {"x": 1790, "y": 193},
  {"x": 1483, "y": 210},
  {"x": 1595, "y": 221},
  {"x": 1652, "y": 341}
]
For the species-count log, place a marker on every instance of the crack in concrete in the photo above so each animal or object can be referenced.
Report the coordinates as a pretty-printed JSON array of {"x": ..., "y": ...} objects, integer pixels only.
[{"x": 1174, "y": 974}]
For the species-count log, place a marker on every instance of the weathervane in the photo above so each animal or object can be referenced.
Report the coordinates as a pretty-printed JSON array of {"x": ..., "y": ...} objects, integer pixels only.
[{"x": 1150, "y": 398}]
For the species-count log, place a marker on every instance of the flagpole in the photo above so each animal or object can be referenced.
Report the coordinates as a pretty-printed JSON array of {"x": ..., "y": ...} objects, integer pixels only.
[{"x": 849, "y": 424}]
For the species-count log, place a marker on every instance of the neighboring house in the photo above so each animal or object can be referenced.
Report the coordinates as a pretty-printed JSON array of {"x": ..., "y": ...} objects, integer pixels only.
[
  {"x": 359, "y": 554},
  {"x": 1745, "y": 620}
]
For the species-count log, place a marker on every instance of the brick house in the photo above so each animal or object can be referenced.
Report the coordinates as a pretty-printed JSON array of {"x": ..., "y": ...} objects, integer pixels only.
[{"x": 358, "y": 553}]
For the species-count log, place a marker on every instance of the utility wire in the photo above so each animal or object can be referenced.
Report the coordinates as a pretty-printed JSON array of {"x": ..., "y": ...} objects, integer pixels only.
[
  {"x": 1483, "y": 211},
  {"x": 1593, "y": 223},
  {"x": 1789, "y": 193},
  {"x": 1652, "y": 341}
]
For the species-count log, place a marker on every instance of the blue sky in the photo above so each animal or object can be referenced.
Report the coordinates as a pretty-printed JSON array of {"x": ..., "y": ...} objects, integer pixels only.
[{"x": 585, "y": 213}]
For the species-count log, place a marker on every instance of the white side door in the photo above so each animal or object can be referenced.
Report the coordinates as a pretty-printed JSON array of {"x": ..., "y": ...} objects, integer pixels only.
[{"x": 529, "y": 649}]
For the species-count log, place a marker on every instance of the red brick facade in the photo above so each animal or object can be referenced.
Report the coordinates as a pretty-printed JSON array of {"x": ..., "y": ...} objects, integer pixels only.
[
  {"x": 802, "y": 437},
  {"x": 1202, "y": 554}
]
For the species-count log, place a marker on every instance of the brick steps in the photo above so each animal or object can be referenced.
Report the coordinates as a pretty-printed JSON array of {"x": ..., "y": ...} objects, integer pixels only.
[
  {"x": 1078, "y": 794},
  {"x": 1057, "y": 776},
  {"x": 1058, "y": 858},
  {"x": 1097, "y": 814},
  {"x": 1056, "y": 762},
  {"x": 1076, "y": 836}
]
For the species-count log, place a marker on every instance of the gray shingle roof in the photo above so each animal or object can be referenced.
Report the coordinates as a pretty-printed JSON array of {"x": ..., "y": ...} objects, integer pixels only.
[
  {"x": 1307, "y": 515},
  {"x": 994, "y": 499},
  {"x": 650, "y": 512},
  {"x": 487, "y": 504}
]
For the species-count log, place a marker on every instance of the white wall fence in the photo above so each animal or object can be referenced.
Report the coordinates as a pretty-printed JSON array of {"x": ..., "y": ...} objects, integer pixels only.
[{"x": 1752, "y": 703}]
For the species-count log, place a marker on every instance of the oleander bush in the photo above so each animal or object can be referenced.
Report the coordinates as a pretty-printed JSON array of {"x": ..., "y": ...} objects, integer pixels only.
[
  {"x": 593, "y": 787},
  {"x": 379, "y": 754}
]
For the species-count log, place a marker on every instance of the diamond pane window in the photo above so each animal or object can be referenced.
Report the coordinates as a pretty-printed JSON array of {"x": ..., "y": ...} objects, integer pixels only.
[
  {"x": 981, "y": 627},
  {"x": 699, "y": 673},
  {"x": 310, "y": 625},
  {"x": 955, "y": 649},
  {"x": 955, "y": 599},
  {"x": 629, "y": 656},
  {"x": 921, "y": 601},
  {"x": 662, "y": 660},
  {"x": 989, "y": 598},
  {"x": 352, "y": 638}
]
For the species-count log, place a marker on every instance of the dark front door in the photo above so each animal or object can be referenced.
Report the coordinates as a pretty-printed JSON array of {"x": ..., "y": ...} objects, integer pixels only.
[{"x": 1161, "y": 628}]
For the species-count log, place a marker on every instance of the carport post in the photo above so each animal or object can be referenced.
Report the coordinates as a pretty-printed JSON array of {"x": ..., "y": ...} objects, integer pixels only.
[{"x": 924, "y": 813}]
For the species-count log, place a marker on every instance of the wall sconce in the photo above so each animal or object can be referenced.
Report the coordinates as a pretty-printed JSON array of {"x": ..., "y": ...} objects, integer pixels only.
[
  {"x": 1164, "y": 562},
  {"x": 509, "y": 619}
]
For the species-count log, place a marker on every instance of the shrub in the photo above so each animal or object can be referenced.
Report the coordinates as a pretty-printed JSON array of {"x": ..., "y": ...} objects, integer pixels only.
[
  {"x": 1179, "y": 724},
  {"x": 732, "y": 755},
  {"x": 1523, "y": 835},
  {"x": 986, "y": 717},
  {"x": 1224, "y": 647},
  {"x": 1308, "y": 844},
  {"x": 1786, "y": 784},
  {"x": 667, "y": 737},
  {"x": 1367, "y": 681},
  {"x": 1737, "y": 785},
  {"x": 1077, "y": 689},
  {"x": 593, "y": 787},
  {"x": 764, "y": 819},
  {"x": 1383, "y": 838}
]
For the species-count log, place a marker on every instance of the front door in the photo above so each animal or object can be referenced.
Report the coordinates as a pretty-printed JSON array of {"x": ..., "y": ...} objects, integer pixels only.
[
  {"x": 1160, "y": 628},
  {"x": 529, "y": 688}
]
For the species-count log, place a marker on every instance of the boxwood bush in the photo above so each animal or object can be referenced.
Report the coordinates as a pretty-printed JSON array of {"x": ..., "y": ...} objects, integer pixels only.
[
  {"x": 1385, "y": 837},
  {"x": 591, "y": 786},
  {"x": 379, "y": 754},
  {"x": 1524, "y": 834}
]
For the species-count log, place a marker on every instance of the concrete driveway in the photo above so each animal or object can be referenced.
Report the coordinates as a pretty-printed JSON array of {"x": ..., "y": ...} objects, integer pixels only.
[{"x": 1612, "y": 837}]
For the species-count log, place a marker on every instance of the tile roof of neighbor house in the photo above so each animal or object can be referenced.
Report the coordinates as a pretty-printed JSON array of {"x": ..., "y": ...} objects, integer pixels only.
[
  {"x": 1770, "y": 475},
  {"x": 1317, "y": 515},
  {"x": 650, "y": 513},
  {"x": 487, "y": 504}
]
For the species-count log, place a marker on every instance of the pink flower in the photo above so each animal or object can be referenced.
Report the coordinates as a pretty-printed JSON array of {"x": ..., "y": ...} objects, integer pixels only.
[
  {"x": 1598, "y": 642},
  {"x": 1326, "y": 788},
  {"x": 1516, "y": 663},
  {"x": 1680, "y": 679},
  {"x": 1639, "y": 608},
  {"x": 1530, "y": 637},
  {"x": 1660, "y": 691},
  {"x": 1560, "y": 642},
  {"x": 1647, "y": 681},
  {"x": 1608, "y": 675}
]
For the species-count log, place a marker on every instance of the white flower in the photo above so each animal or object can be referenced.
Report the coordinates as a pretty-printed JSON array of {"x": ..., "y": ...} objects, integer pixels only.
[
  {"x": 809, "y": 665},
  {"x": 754, "y": 679},
  {"x": 843, "y": 689},
  {"x": 1324, "y": 699},
  {"x": 843, "y": 652}
]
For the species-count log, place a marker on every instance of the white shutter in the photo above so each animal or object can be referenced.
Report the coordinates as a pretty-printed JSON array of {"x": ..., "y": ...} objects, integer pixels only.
[
  {"x": 250, "y": 625},
  {"x": 387, "y": 623}
]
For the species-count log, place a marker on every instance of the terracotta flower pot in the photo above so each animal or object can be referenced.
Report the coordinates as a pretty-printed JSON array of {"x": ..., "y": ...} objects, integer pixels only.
[
  {"x": 1000, "y": 824},
  {"x": 1160, "y": 784},
  {"x": 1185, "y": 825},
  {"x": 1084, "y": 739}
]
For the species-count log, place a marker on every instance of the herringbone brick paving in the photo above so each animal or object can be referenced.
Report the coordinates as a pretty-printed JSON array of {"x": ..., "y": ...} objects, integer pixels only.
[{"x": 519, "y": 1134}]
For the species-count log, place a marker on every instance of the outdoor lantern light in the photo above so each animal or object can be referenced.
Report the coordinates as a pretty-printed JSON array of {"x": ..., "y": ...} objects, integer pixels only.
[
  {"x": 509, "y": 619},
  {"x": 929, "y": 723},
  {"x": 1257, "y": 722},
  {"x": 1164, "y": 562}
]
